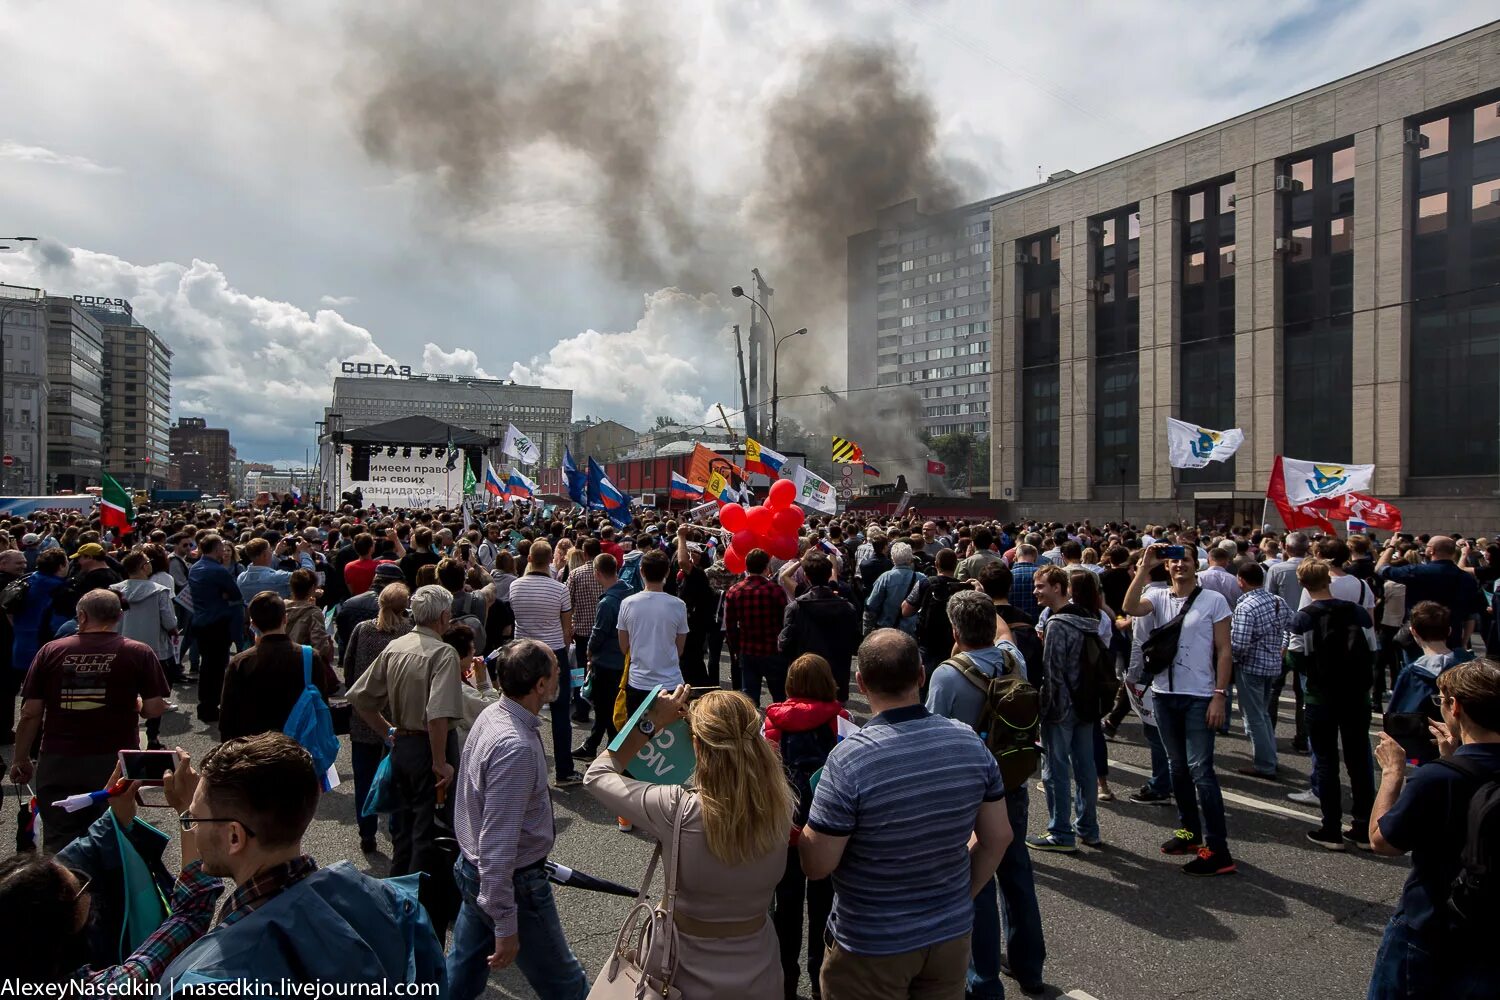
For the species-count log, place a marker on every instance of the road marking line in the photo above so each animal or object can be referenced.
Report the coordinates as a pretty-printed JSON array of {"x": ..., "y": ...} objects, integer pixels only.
[
  {"x": 1238, "y": 799},
  {"x": 1080, "y": 995}
]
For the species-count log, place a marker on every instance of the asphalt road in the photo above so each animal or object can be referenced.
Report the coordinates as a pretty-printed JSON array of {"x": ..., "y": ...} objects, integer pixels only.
[{"x": 1121, "y": 923}]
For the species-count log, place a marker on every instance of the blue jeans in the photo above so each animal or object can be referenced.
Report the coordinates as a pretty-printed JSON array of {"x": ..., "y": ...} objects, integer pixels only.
[
  {"x": 561, "y": 711},
  {"x": 1407, "y": 967},
  {"x": 545, "y": 959},
  {"x": 1256, "y": 693},
  {"x": 1070, "y": 751},
  {"x": 1017, "y": 904},
  {"x": 771, "y": 669},
  {"x": 1190, "y": 757},
  {"x": 1161, "y": 775}
]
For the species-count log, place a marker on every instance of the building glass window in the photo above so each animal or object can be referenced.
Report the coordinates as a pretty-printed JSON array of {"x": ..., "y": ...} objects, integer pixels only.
[
  {"x": 1317, "y": 308},
  {"x": 1040, "y": 374},
  {"x": 1206, "y": 306},
  {"x": 1117, "y": 339},
  {"x": 1455, "y": 365}
]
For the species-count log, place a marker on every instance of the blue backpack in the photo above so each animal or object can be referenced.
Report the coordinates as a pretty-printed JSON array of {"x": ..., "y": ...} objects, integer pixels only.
[{"x": 311, "y": 724}]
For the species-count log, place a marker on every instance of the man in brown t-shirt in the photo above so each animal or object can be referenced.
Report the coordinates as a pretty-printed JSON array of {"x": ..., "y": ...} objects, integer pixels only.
[
  {"x": 263, "y": 683},
  {"x": 83, "y": 695}
]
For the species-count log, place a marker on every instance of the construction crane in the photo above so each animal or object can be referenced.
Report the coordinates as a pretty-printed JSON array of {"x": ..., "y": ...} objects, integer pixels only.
[
  {"x": 831, "y": 394},
  {"x": 749, "y": 410}
]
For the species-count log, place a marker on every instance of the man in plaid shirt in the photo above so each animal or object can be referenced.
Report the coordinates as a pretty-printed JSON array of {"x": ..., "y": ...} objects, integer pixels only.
[
  {"x": 1257, "y": 635},
  {"x": 754, "y": 609}
]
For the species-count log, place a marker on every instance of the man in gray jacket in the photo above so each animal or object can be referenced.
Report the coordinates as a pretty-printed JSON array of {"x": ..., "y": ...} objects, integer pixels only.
[{"x": 1069, "y": 741}]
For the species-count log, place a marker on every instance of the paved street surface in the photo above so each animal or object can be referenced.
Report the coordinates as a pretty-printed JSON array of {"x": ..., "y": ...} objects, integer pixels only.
[{"x": 1121, "y": 923}]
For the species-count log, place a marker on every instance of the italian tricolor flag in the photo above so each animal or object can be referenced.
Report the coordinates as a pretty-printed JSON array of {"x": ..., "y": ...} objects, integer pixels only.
[{"x": 115, "y": 509}]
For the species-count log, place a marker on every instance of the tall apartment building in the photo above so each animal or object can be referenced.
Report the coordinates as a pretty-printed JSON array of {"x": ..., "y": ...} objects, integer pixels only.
[
  {"x": 1323, "y": 273},
  {"x": 919, "y": 311},
  {"x": 138, "y": 398},
  {"x": 203, "y": 455},
  {"x": 75, "y": 400},
  {"x": 483, "y": 406},
  {"x": 23, "y": 424}
]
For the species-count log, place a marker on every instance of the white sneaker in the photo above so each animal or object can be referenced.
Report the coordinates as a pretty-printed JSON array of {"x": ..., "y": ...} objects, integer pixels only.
[{"x": 1305, "y": 798}]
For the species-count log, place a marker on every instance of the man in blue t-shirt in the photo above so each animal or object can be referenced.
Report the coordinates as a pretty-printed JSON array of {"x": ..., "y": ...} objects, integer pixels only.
[
  {"x": 1425, "y": 951},
  {"x": 891, "y": 821}
]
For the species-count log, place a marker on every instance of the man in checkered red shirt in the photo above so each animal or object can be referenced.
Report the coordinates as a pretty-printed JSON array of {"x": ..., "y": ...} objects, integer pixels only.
[{"x": 753, "y": 612}]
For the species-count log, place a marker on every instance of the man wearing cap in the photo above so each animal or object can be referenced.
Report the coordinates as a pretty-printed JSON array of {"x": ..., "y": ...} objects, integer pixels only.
[
  {"x": 90, "y": 571},
  {"x": 363, "y": 607},
  {"x": 31, "y": 547}
]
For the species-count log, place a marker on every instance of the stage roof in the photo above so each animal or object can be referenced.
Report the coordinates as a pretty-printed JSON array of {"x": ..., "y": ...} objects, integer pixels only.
[{"x": 416, "y": 430}]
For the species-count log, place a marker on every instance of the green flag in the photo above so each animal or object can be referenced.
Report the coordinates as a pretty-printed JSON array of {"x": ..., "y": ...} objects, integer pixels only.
[
  {"x": 470, "y": 483},
  {"x": 115, "y": 508}
]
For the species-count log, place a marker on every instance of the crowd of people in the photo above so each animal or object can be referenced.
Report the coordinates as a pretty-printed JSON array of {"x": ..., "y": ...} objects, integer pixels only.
[{"x": 882, "y": 853}]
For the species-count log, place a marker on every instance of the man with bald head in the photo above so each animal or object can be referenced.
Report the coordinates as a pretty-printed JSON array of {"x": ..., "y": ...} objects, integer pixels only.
[
  {"x": 1438, "y": 579},
  {"x": 80, "y": 698}
]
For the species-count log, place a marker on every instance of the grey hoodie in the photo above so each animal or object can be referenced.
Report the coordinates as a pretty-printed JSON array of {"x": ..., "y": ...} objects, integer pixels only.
[
  {"x": 1061, "y": 651},
  {"x": 150, "y": 617}
]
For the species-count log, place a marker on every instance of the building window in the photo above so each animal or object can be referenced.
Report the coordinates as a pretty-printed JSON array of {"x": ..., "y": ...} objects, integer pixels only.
[
  {"x": 1206, "y": 306},
  {"x": 1040, "y": 383},
  {"x": 1114, "y": 241},
  {"x": 1455, "y": 364},
  {"x": 1317, "y": 305}
]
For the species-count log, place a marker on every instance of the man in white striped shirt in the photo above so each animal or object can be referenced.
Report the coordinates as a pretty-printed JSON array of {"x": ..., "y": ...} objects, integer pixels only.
[
  {"x": 505, "y": 827},
  {"x": 544, "y": 612}
]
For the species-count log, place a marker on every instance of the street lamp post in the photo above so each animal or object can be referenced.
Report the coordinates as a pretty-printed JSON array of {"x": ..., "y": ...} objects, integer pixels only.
[
  {"x": 739, "y": 292},
  {"x": 776, "y": 385}
]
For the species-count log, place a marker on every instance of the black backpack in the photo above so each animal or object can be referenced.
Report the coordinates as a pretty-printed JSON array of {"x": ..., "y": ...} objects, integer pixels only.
[
  {"x": 802, "y": 754},
  {"x": 1023, "y": 636},
  {"x": 1337, "y": 655},
  {"x": 1010, "y": 721},
  {"x": 1097, "y": 684},
  {"x": 933, "y": 628},
  {"x": 13, "y": 597},
  {"x": 1474, "y": 898}
]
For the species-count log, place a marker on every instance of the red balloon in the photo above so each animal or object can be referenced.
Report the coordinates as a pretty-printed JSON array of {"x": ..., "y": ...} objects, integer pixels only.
[
  {"x": 732, "y": 517},
  {"x": 744, "y": 540},
  {"x": 759, "y": 520},
  {"x": 783, "y": 546},
  {"x": 787, "y": 520},
  {"x": 782, "y": 494},
  {"x": 733, "y": 561}
]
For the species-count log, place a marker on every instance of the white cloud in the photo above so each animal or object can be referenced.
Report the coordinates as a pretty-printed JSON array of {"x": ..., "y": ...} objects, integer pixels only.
[
  {"x": 459, "y": 361},
  {"x": 335, "y": 301},
  {"x": 262, "y": 367},
  {"x": 42, "y": 156},
  {"x": 676, "y": 362}
]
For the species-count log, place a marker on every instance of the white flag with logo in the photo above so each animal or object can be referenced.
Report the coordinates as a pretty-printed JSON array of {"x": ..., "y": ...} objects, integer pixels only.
[
  {"x": 814, "y": 491},
  {"x": 1192, "y": 447},
  {"x": 520, "y": 447},
  {"x": 1309, "y": 481}
]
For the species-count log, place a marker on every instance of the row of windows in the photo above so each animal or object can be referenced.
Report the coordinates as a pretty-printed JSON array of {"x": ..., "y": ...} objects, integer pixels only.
[
  {"x": 981, "y": 429},
  {"x": 949, "y": 371},
  {"x": 938, "y": 353},
  {"x": 955, "y": 409},
  {"x": 961, "y": 389},
  {"x": 943, "y": 294}
]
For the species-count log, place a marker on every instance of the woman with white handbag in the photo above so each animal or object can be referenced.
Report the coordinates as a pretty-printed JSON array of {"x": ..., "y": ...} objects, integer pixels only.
[{"x": 724, "y": 850}]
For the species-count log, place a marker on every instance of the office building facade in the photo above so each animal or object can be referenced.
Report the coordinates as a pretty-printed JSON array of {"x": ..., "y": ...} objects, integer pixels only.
[
  {"x": 137, "y": 398},
  {"x": 1323, "y": 273},
  {"x": 203, "y": 456},
  {"x": 483, "y": 406},
  {"x": 23, "y": 425},
  {"x": 75, "y": 400}
]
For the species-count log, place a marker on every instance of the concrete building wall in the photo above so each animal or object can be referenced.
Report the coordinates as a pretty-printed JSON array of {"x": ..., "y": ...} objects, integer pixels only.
[
  {"x": 137, "y": 403},
  {"x": 75, "y": 403},
  {"x": 24, "y": 418},
  {"x": 1373, "y": 110}
]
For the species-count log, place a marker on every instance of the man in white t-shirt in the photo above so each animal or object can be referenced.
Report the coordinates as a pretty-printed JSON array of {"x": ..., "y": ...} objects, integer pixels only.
[
  {"x": 653, "y": 629},
  {"x": 1189, "y": 698}
]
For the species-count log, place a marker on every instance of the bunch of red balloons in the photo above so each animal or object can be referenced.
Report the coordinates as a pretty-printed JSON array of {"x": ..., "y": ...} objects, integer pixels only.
[{"x": 772, "y": 526}]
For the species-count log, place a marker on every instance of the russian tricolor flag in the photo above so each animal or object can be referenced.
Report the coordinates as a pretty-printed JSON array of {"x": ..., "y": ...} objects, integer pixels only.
[
  {"x": 493, "y": 485},
  {"x": 684, "y": 490},
  {"x": 759, "y": 458},
  {"x": 521, "y": 487}
]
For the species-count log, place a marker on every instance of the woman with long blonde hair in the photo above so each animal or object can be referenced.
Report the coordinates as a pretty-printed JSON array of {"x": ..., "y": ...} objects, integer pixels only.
[{"x": 736, "y": 808}]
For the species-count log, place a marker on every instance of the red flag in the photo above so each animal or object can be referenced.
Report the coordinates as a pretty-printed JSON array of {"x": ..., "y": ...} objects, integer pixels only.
[
  {"x": 1372, "y": 511},
  {"x": 936, "y": 468},
  {"x": 1295, "y": 518}
]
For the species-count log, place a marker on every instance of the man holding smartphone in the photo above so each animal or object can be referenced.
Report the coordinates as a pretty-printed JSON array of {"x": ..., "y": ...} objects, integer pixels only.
[{"x": 1189, "y": 698}]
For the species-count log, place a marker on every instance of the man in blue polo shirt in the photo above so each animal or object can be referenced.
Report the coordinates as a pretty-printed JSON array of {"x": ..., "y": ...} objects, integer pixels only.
[
  {"x": 891, "y": 821},
  {"x": 1438, "y": 579},
  {"x": 1427, "y": 950}
]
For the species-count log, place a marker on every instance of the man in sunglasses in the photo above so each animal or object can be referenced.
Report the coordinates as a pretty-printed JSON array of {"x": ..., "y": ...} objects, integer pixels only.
[{"x": 252, "y": 804}]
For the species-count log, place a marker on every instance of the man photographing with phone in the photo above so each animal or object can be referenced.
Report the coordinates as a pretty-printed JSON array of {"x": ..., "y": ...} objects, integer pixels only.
[{"x": 1192, "y": 664}]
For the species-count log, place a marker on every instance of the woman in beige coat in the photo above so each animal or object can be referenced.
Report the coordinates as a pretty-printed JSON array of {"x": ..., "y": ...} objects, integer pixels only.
[{"x": 738, "y": 809}]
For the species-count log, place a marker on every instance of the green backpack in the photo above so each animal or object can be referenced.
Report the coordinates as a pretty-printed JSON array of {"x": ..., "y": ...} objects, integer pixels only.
[{"x": 1010, "y": 721}]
